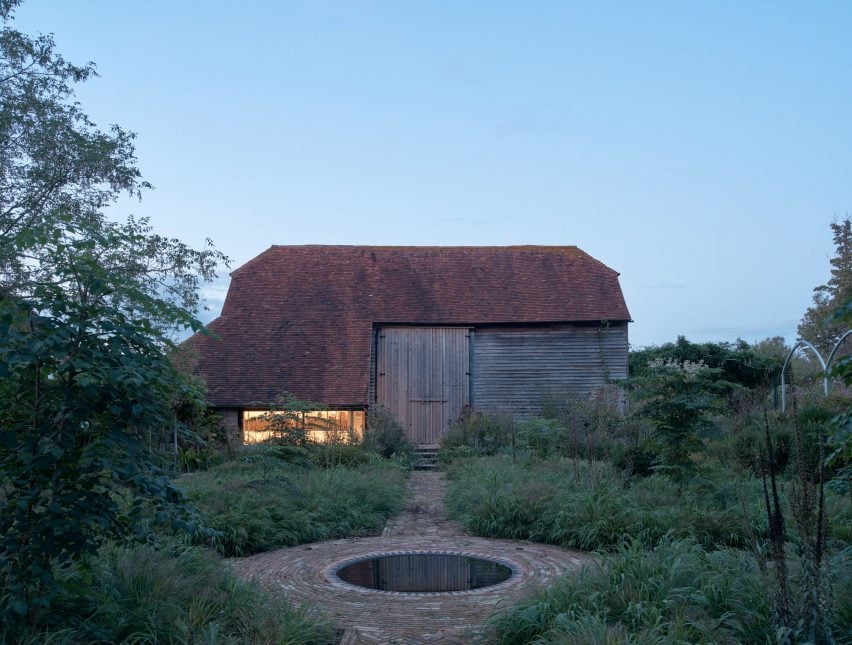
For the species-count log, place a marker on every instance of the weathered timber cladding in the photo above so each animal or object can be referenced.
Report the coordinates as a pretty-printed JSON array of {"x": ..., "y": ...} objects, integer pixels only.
[
  {"x": 516, "y": 368},
  {"x": 372, "y": 385},
  {"x": 230, "y": 420},
  {"x": 423, "y": 378}
]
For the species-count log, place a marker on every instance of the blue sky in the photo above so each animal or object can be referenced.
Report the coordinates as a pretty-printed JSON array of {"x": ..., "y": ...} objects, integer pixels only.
[{"x": 699, "y": 148}]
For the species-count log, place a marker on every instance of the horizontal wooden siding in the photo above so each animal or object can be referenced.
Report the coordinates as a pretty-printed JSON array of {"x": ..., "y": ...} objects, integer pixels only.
[{"x": 516, "y": 368}]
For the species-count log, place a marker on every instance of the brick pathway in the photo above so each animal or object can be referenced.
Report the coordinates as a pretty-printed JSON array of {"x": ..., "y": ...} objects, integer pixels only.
[
  {"x": 306, "y": 574},
  {"x": 424, "y": 514}
]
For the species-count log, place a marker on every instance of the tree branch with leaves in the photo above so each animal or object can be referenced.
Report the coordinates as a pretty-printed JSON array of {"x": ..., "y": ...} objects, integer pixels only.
[{"x": 88, "y": 310}]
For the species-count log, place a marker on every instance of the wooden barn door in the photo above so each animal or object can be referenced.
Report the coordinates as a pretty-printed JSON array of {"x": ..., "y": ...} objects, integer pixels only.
[{"x": 423, "y": 378}]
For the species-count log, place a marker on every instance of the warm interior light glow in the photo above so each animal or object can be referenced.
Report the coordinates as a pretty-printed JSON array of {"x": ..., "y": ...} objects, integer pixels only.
[{"x": 321, "y": 426}]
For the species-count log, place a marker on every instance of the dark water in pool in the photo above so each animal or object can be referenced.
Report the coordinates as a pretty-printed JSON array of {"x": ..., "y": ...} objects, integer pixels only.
[{"x": 424, "y": 572}]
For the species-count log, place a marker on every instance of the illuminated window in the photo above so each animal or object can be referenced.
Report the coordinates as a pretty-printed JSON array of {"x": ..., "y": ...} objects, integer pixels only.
[{"x": 323, "y": 426}]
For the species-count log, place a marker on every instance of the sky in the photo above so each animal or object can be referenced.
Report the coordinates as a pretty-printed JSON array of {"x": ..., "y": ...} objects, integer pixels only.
[{"x": 701, "y": 149}]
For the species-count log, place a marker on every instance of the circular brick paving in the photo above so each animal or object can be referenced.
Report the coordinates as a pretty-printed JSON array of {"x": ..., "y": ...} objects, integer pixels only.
[{"x": 305, "y": 574}]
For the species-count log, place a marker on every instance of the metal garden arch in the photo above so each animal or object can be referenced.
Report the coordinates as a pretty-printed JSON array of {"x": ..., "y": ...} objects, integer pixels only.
[{"x": 826, "y": 365}]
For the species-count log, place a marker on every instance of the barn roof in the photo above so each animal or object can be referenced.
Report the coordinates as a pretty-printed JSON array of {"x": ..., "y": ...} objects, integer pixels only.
[{"x": 300, "y": 318}]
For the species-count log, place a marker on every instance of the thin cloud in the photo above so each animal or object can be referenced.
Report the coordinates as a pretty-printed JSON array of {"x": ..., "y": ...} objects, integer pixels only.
[{"x": 762, "y": 330}]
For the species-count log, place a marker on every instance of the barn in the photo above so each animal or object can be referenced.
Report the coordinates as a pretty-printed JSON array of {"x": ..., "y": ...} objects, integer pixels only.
[{"x": 427, "y": 332}]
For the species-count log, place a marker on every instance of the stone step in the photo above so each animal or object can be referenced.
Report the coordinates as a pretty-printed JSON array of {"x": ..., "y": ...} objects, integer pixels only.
[{"x": 425, "y": 458}]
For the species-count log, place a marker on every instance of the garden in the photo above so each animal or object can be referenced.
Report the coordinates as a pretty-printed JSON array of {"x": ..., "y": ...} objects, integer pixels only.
[
  {"x": 714, "y": 515},
  {"x": 717, "y": 519}
]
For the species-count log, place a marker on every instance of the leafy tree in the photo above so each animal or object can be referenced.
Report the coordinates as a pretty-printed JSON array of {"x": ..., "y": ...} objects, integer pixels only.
[
  {"x": 52, "y": 157},
  {"x": 678, "y": 398},
  {"x": 842, "y": 317},
  {"x": 817, "y": 325},
  {"x": 87, "y": 307},
  {"x": 57, "y": 168}
]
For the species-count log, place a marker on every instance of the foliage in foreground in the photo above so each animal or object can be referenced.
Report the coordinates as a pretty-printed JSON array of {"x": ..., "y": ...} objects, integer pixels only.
[
  {"x": 87, "y": 309},
  {"x": 175, "y": 595},
  {"x": 676, "y": 592},
  {"x": 260, "y": 502},
  {"x": 88, "y": 393}
]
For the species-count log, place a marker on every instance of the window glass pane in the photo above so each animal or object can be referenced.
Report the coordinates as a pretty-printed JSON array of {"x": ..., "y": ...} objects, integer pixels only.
[{"x": 321, "y": 426}]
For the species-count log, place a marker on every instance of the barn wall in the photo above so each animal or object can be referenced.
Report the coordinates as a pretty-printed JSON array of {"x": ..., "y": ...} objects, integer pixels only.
[
  {"x": 230, "y": 419},
  {"x": 515, "y": 368},
  {"x": 371, "y": 388}
]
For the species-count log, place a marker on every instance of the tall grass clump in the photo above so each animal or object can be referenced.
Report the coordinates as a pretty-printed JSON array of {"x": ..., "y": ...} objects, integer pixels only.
[
  {"x": 177, "y": 594},
  {"x": 261, "y": 502},
  {"x": 676, "y": 592},
  {"x": 540, "y": 500}
]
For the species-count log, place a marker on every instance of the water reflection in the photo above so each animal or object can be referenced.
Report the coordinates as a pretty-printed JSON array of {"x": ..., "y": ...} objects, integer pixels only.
[{"x": 424, "y": 572}]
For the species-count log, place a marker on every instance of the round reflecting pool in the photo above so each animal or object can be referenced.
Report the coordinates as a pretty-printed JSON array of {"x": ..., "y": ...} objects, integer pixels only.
[{"x": 424, "y": 572}]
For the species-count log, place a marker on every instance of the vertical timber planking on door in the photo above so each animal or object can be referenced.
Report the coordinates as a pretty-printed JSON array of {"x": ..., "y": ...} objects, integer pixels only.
[{"x": 423, "y": 378}]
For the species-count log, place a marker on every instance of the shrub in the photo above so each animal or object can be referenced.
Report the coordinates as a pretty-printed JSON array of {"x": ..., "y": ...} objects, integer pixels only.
[
  {"x": 638, "y": 459},
  {"x": 747, "y": 446},
  {"x": 295, "y": 455},
  {"x": 591, "y": 425},
  {"x": 485, "y": 434},
  {"x": 678, "y": 398},
  {"x": 385, "y": 436},
  {"x": 542, "y": 437},
  {"x": 192, "y": 458},
  {"x": 331, "y": 455}
]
